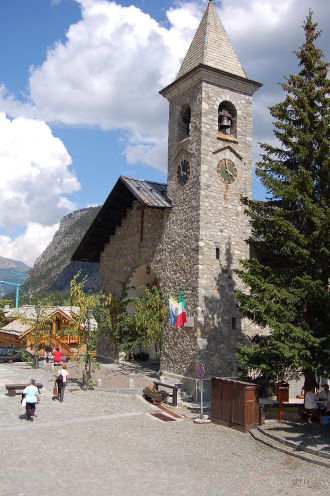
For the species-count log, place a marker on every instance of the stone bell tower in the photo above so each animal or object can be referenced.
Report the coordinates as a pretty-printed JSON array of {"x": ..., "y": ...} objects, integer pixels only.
[{"x": 209, "y": 168}]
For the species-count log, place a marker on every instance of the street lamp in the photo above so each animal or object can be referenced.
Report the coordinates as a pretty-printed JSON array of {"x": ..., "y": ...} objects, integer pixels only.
[
  {"x": 87, "y": 377},
  {"x": 36, "y": 355}
]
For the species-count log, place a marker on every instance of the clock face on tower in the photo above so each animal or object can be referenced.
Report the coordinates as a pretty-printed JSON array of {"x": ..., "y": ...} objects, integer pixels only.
[
  {"x": 183, "y": 172},
  {"x": 227, "y": 170}
]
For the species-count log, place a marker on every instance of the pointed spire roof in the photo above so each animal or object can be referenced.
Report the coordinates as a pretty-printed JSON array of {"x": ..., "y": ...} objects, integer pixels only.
[{"x": 212, "y": 47}]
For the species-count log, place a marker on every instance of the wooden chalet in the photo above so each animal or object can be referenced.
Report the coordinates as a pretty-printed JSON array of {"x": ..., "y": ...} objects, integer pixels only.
[{"x": 57, "y": 321}]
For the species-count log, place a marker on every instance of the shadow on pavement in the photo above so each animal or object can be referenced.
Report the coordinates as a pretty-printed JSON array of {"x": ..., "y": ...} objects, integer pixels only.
[{"x": 303, "y": 435}]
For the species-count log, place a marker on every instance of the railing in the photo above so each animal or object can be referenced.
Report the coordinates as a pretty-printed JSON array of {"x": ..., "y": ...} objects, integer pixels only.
[{"x": 57, "y": 341}]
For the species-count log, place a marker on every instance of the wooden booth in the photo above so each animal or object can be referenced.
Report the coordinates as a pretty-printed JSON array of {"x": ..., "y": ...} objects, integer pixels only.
[{"x": 235, "y": 403}]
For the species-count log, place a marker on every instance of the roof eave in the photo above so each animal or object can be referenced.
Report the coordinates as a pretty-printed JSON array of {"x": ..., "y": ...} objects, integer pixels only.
[{"x": 204, "y": 72}]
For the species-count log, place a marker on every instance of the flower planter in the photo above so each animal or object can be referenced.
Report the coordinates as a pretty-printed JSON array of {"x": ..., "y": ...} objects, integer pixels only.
[{"x": 156, "y": 398}]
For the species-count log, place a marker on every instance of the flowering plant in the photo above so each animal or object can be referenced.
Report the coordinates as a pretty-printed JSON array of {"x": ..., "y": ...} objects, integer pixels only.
[{"x": 151, "y": 389}]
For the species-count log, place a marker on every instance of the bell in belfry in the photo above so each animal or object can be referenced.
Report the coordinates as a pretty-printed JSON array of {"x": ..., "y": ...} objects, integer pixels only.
[{"x": 225, "y": 121}]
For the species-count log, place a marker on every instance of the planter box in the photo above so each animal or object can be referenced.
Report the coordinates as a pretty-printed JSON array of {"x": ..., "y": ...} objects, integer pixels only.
[{"x": 155, "y": 397}]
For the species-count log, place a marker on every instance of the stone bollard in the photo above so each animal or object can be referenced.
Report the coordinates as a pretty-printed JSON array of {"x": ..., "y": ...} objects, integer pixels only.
[
  {"x": 99, "y": 383},
  {"x": 131, "y": 383}
]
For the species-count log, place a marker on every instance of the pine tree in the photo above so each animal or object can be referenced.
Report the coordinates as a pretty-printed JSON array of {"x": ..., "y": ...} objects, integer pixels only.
[{"x": 288, "y": 281}]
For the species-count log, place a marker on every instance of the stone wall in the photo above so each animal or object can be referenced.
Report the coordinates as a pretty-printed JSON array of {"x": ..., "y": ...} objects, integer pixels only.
[
  {"x": 125, "y": 252},
  {"x": 181, "y": 234},
  {"x": 179, "y": 244},
  {"x": 224, "y": 226},
  {"x": 213, "y": 218}
]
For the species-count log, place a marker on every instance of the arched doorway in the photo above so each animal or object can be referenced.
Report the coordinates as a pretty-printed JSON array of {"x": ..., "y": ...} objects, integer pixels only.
[{"x": 142, "y": 277}]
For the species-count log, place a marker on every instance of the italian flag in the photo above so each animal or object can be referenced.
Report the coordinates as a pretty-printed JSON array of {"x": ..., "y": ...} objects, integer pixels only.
[{"x": 181, "y": 317}]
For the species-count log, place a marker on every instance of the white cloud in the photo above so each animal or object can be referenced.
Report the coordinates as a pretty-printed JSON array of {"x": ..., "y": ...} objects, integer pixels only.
[
  {"x": 108, "y": 73},
  {"x": 115, "y": 59},
  {"x": 265, "y": 34},
  {"x": 35, "y": 175},
  {"x": 28, "y": 246}
]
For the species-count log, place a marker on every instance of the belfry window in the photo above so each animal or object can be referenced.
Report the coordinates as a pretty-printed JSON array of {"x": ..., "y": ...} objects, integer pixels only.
[
  {"x": 227, "y": 119},
  {"x": 184, "y": 124}
]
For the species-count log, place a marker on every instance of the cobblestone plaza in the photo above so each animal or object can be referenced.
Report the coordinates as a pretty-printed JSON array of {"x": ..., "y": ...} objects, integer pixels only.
[{"x": 101, "y": 443}]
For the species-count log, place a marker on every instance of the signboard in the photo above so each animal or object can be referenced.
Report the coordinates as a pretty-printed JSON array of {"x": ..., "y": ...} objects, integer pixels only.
[{"x": 200, "y": 371}]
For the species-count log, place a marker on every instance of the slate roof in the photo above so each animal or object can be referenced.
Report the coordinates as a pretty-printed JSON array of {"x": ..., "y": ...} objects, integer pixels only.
[
  {"x": 212, "y": 47},
  {"x": 148, "y": 194}
]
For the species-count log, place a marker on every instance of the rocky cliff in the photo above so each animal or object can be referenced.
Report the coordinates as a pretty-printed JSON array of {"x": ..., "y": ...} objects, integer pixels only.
[
  {"x": 11, "y": 271},
  {"x": 54, "y": 269}
]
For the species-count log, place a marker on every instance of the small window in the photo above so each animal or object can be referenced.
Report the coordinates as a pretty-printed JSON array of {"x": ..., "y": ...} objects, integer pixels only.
[
  {"x": 233, "y": 323},
  {"x": 185, "y": 122}
]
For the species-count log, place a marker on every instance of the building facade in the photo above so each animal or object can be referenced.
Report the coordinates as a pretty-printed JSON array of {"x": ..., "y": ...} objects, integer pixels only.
[{"x": 192, "y": 235}]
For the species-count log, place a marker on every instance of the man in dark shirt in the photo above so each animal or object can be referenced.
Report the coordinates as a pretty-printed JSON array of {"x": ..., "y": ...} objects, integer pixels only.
[{"x": 48, "y": 351}]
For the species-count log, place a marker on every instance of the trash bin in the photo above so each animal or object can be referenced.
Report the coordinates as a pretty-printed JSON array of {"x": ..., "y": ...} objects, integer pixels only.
[{"x": 282, "y": 391}]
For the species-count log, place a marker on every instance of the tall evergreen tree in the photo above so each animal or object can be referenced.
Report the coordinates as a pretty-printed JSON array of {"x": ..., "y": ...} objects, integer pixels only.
[{"x": 288, "y": 281}]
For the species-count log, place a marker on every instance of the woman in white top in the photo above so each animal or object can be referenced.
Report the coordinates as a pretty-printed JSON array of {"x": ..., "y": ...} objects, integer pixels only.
[
  {"x": 62, "y": 380},
  {"x": 310, "y": 404},
  {"x": 31, "y": 394}
]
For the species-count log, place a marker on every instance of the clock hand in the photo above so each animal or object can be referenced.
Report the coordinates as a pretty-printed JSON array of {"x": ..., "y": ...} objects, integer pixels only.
[{"x": 227, "y": 169}]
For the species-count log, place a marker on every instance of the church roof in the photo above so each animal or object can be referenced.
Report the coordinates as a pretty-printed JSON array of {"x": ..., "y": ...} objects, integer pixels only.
[
  {"x": 149, "y": 194},
  {"x": 211, "y": 47}
]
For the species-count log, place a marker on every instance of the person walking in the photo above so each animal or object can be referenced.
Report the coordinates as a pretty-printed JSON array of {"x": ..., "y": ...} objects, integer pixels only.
[
  {"x": 62, "y": 380},
  {"x": 31, "y": 394}
]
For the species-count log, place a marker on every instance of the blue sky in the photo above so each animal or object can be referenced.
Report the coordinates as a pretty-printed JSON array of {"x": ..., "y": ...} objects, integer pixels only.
[{"x": 79, "y": 103}]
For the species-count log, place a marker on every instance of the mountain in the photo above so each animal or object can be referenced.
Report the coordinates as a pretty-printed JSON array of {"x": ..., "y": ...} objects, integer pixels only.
[
  {"x": 53, "y": 269},
  {"x": 11, "y": 271}
]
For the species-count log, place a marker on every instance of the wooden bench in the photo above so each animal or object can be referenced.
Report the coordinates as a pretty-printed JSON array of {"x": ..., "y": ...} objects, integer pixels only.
[
  {"x": 12, "y": 388},
  {"x": 173, "y": 395}
]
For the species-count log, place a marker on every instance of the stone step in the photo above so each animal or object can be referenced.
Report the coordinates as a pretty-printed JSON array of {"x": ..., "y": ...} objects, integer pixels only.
[
  {"x": 292, "y": 444},
  {"x": 259, "y": 435}
]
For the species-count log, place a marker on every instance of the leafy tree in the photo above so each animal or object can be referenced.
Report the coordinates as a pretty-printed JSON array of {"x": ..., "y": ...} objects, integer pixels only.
[
  {"x": 37, "y": 319},
  {"x": 150, "y": 314},
  {"x": 289, "y": 280},
  {"x": 137, "y": 322},
  {"x": 85, "y": 326},
  {"x": 3, "y": 320}
]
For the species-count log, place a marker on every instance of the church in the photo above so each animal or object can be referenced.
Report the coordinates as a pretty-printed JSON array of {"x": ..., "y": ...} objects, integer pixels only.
[{"x": 189, "y": 234}]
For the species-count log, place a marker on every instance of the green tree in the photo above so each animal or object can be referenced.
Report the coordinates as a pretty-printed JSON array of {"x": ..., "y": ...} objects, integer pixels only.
[
  {"x": 150, "y": 314},
  {"x": 37, "y": 319},
  {"x": 85, "y": 326},
  {"x": 3, "y": 320},
  {"x": 288, "y": 282},
  {"x": 138, "y": 321}
]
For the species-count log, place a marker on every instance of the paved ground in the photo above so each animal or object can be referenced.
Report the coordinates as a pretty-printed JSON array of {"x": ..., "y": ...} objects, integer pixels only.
[
  {"x": 304, "y": 436},
  {"x": 116, "y": 375},
  {"x": 105, "y": 444}
]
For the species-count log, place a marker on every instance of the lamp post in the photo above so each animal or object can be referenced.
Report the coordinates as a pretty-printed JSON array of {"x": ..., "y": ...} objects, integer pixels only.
[
  {"x": 87, "y": 378},
  {"x": 36, "y": 355}
]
